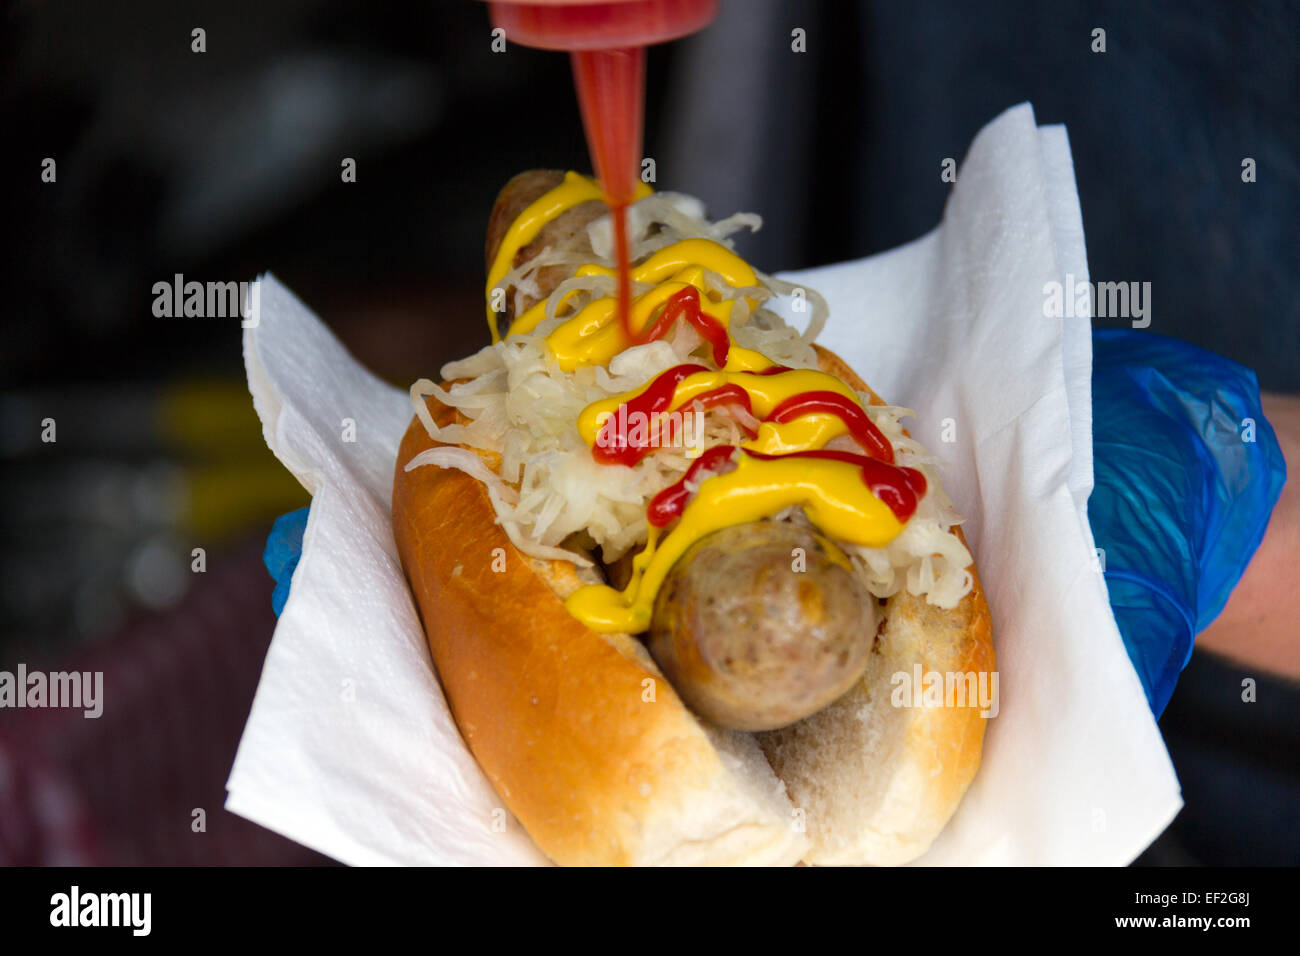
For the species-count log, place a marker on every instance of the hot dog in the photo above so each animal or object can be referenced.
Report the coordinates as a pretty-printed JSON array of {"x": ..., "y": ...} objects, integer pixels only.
[{"x": 666, "y": 647}]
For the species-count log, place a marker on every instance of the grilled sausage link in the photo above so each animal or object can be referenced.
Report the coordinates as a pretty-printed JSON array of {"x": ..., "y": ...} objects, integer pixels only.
[{"x": 752, "y": 637}]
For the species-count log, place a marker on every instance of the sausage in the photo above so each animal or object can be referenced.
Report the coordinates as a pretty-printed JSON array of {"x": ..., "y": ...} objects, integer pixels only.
[
  {"x": 746, "y": 640},
  {"x": 566, "y": 232},
  {"x": 751, "y": 642}
]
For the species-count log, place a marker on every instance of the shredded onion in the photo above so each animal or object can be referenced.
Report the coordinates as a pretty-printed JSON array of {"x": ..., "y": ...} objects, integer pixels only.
[
  {"x": 421, "y": 390},
  {"x": 678, "y": 217},
  {"x": 462, "y": 459},
  {"x": 500, "y": 494},
  {"x": 927, "y": 557},
  {"x": 597, "y": 286},
  {"x": 820, "y": 311},
  {"x": 523, "y": 277}
]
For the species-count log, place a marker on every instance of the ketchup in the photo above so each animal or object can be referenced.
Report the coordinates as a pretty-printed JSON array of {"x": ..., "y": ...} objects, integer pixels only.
[
  {"x": 671, "y": 502},
  {"x": 862, "y": 428},
  {"x": 686, "y": 304},
  {"x": 607, "y": 41},
  {"x": 613, "y": 447}
]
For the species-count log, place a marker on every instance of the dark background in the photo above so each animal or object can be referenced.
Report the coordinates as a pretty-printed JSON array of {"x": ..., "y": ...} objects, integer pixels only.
[{"x": 226, "y": 164}]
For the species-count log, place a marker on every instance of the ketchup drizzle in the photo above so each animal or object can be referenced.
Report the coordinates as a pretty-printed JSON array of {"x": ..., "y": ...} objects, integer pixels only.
[
  {"x": 612, "y": 446},
  {"x": 671, "y": 502},
  {"x": 900, "y": 489},
  {"x": 862, "y": 428},
  {"x": 686, "y": 304}
]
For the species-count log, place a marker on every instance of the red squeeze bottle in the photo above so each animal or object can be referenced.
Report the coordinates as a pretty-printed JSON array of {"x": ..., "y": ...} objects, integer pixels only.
[{"x": 606, "y": 40}]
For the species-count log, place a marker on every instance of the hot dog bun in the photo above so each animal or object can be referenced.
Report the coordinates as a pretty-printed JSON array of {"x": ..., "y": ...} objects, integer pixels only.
[
  {"x": 877, "y": 782},
  {"x": 556, "y": 714}
]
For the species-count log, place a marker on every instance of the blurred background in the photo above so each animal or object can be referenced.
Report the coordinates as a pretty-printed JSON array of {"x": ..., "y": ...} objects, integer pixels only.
[{"x": 224, "y": 164}]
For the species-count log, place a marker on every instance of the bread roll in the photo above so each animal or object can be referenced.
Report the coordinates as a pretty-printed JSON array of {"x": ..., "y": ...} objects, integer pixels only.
[{"x": 596, "y": 755}]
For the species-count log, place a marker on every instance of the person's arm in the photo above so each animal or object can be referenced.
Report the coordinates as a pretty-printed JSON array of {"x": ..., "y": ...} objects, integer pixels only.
[{"x": 1260, "y": 625}]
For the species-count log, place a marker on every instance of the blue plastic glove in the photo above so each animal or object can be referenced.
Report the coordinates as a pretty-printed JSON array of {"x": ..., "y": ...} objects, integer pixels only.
[
  {"x": 283, "y": 549},
  {"x": 1179, "y": 505},
  {"x": 1181, "y": 493}
]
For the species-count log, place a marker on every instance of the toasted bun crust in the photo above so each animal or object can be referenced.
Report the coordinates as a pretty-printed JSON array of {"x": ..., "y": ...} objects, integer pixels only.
[
  {"x": 559, "y": 717},
  {"x": 599, "y": 770}
]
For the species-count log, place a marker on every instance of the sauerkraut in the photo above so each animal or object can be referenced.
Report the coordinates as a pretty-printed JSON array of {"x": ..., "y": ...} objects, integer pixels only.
[{"x": 549, "y": 491}]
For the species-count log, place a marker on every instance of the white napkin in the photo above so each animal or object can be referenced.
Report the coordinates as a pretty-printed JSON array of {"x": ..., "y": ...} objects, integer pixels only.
[{"x": 350, "y": 747}]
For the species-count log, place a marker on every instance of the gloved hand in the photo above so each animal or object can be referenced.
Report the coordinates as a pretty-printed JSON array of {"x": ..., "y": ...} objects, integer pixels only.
[
  {"x": 1182, "y": 494},
  {"x": 283, "y": 549},
  {"x": 1186, "y": 472}
]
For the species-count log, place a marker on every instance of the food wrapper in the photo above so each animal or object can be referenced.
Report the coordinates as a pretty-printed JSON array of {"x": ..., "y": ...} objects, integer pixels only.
[{"x": 350, "y": 747}]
